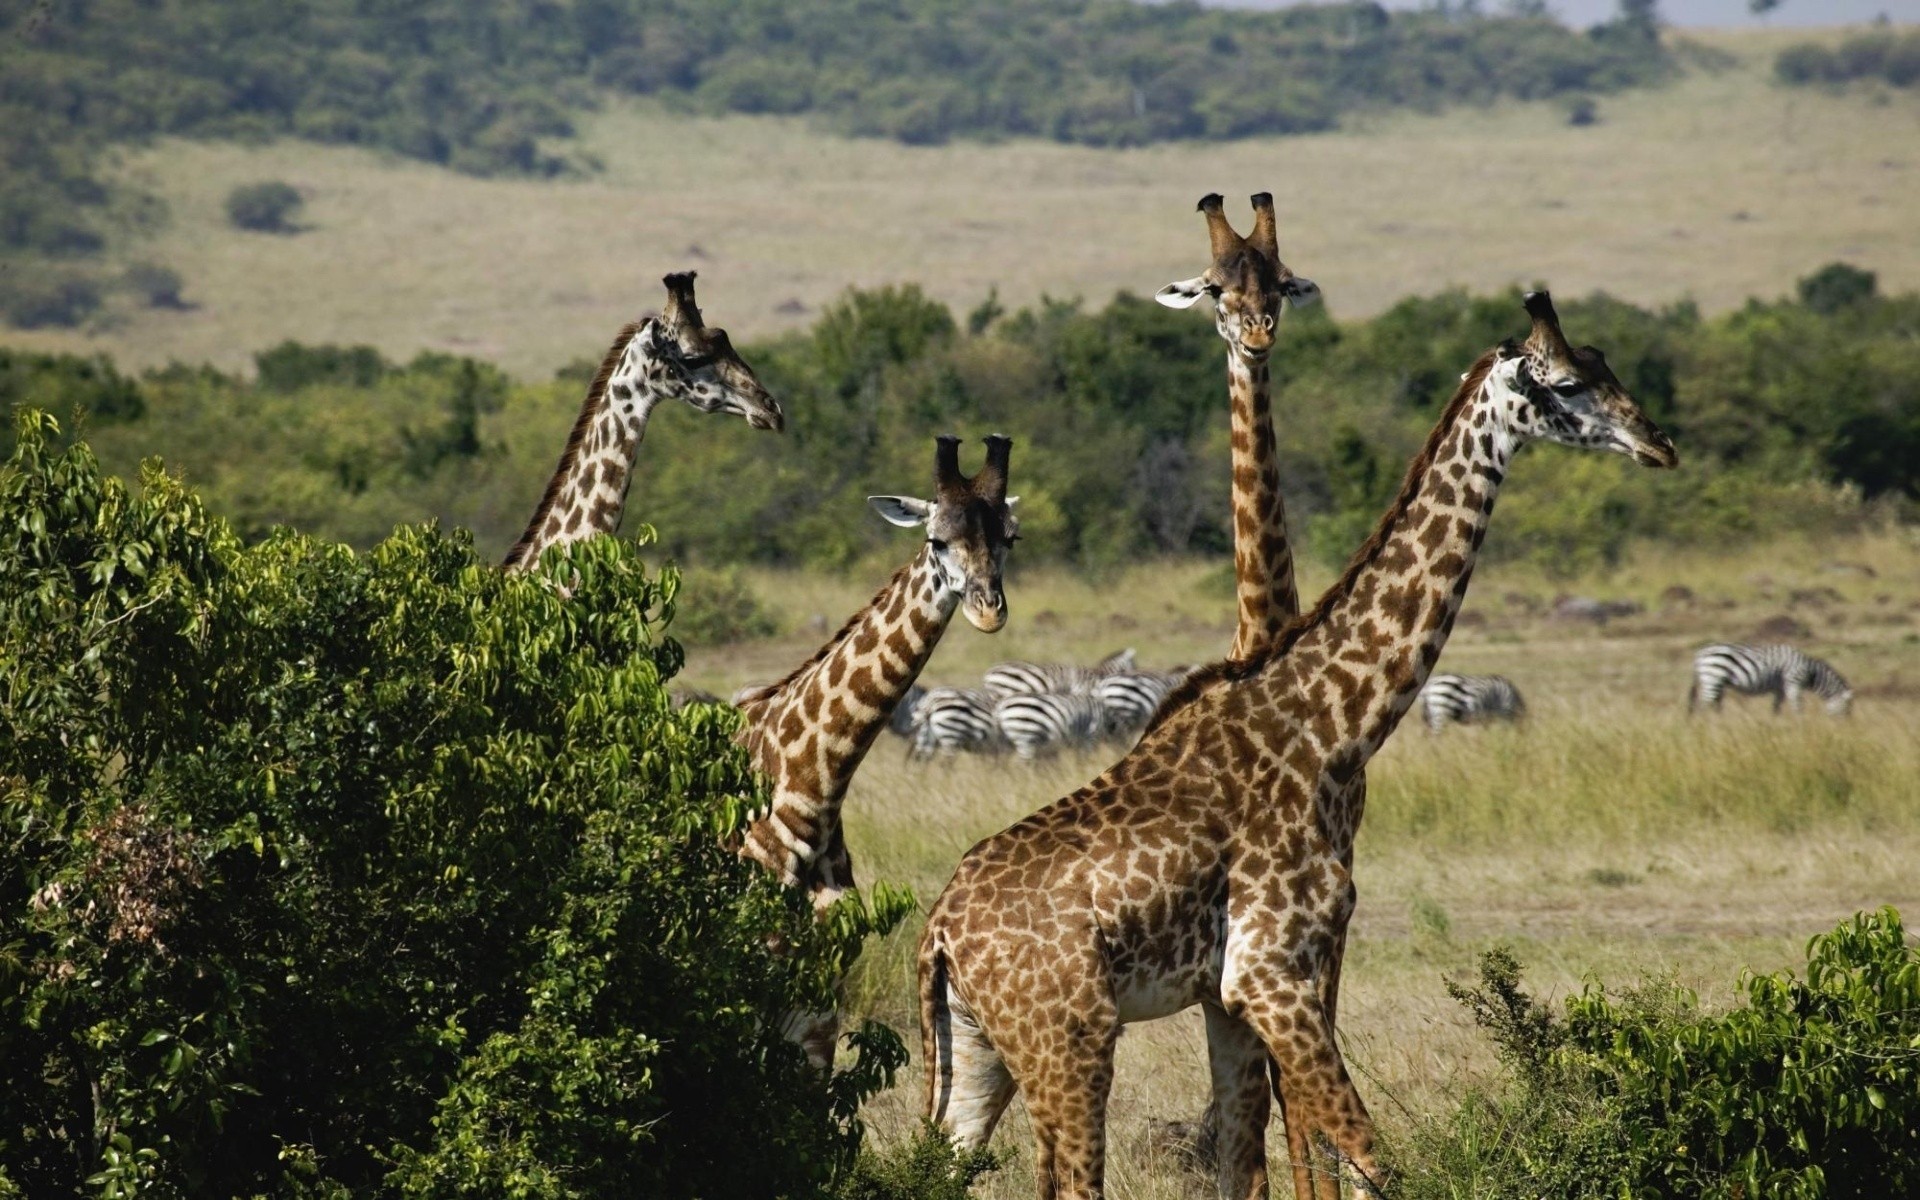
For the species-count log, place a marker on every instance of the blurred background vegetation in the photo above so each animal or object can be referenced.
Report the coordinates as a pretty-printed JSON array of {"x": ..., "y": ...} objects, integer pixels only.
[{"x": 1797, "y": 414}]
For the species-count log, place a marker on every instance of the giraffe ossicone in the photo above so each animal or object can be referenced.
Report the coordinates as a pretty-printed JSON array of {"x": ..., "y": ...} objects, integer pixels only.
[
  {"x": 672, "y": 356},
  {"x": 1210, "y": 865},
  {"x": 809, "y": 732}
]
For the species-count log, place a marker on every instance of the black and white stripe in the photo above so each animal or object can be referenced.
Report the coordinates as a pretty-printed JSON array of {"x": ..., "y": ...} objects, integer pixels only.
[
  {"x": 1780, "y": 671},
  {"x": 1041, "y": 679},
  {"x": 953, "y": 721},
  {"x": 1469, "y": 699},
  {"x": 1034, "y": 725},
  {"x": 1129, "y": 699},
  {"x": 901, "y": 722}
]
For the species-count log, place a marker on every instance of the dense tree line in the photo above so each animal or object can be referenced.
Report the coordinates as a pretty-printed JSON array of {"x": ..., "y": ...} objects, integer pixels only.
[
  {"x": 1789, "y": 413},
  {"x": 1886, "y": 55}
]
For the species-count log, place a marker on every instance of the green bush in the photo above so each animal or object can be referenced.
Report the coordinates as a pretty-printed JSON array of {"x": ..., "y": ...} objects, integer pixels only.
[
  {"x": 1809, "y": 1088},
  {"x": 720, "y": 610},
  {"x": 266, "y": 207},
  {"x": 385, "y": 874},
  {"x": 157, "y": 286},
  {"x": 38, "y": 296}
]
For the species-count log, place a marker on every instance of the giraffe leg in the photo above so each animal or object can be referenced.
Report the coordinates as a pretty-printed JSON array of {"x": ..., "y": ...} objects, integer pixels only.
[
  {"x": 1239, "y": 1111},
  {"x": 1066, "y": 1096},
  {"x": 1317, "y": 1096}
]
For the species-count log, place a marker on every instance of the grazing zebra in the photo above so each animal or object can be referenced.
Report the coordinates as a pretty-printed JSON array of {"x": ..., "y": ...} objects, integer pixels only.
[
  {"x": 953, "y": 720},
  {"x": 1129, "y": 699},
  {"x": 1470, "y": 699},
  {"x": 1033, "y": 724},
  {"x": 1040, "y": 679},
  {"x": 1778, "y": 670}
]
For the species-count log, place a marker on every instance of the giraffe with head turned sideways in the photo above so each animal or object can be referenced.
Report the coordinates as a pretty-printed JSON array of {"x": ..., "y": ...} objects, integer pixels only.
[
  {"x": 1209, "y": 866},
  {"x": 1250, "y": 286},
  {"x": 809, "y": 732},
  {"x": 673, "y": 356}
]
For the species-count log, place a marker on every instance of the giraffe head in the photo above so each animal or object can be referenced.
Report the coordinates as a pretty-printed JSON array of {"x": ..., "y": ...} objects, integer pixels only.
[
  {"x": 1568, "y": 394},
  {"x": 698, "y": 364},
  {"x": 970, "y": 525},
  {"x": 1248, "y": 282}
]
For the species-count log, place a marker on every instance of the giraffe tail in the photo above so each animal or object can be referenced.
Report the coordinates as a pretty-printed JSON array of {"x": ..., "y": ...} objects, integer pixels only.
[{"x": 936, "y": 1027}]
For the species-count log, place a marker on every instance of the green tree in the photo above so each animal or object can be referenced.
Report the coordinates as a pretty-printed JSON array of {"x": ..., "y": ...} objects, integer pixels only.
[
  {"x": 266, "y": 207},
  {"x": 381, "y": 874}
]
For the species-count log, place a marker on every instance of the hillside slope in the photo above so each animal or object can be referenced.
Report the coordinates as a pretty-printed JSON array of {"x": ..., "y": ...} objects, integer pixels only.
[{"x": 1720, "y": 187}]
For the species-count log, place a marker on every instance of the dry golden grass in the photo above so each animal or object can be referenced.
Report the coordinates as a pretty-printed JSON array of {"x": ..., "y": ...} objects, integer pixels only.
[
  {"x": 1611, "y": 837},
  {"x": 1719, "y": 187}
]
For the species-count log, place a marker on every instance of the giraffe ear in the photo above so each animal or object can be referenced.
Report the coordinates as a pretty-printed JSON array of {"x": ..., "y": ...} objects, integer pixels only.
[
  {"x": 1182, "y": 293},
  {"x": 904, "y": 511},
  {"x": 1301, "y": 292}
]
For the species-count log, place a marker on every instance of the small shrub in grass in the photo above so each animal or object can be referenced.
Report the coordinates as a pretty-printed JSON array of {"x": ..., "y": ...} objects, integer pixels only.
[
  {"x": 266, "y": 207},
  {"x": 158, "y": 286},
  {"x": 1809, "y": 1088},
  {"x": 721, "y": 608},
  {"x": 926, "y": 1168},
  {"x": 37, "y": 297}
]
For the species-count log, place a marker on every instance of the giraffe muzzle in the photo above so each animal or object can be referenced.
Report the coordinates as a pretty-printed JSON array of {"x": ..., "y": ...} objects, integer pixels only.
[{"x": 986, "y": 613}]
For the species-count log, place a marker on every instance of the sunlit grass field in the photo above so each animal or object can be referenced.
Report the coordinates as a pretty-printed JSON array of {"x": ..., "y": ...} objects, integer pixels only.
[
  {"x": 1610, "y": 837},
  {"x": 1719, "y": 187}
]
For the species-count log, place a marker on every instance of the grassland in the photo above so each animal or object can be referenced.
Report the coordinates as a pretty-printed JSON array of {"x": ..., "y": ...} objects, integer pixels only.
[
  {"x": 1611, "y": 837},
  {"x": 1719, "y": 187}
]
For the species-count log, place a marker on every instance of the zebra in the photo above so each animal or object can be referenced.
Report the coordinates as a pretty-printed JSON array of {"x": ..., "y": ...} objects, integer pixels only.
[
  {"x": 1471, "y": 699},
  {"x": 1129, "y": 699},
  {"x": 1782, "y": 671},
  {"x": 1040, "y": 679},
  {"x": 953, "y": 720},
  {"x": 1033, "y": 724}
]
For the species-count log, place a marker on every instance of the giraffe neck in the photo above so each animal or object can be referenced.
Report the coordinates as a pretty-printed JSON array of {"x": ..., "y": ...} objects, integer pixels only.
[
  {"x": 588, "y": 492},
  {"x": 810, "y": 732},
  {"x": 1363, "y": 655},
  {"x": 1262, "y": 557}
]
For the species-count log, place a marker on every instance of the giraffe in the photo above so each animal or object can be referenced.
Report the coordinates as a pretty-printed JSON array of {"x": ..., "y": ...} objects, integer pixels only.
[
  {"x": 1249, "y": 285},
  {"x": 1209, "y": 865},
  {"x": 809, "y": 732},
  {"x": 674, "y": 356}
]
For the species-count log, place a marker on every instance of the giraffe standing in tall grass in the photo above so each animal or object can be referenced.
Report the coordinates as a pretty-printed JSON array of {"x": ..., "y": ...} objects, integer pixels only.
[
  {"x": 674, "y": 356},
  {"x": 1210, "y": 865},
  {"x": 1250, "y": 287}
]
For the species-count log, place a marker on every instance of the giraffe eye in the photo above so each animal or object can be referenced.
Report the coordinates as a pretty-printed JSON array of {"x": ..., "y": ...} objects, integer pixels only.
[
  {"x": 1568, "y": 387},
  {"x": 939, "y": 547}
]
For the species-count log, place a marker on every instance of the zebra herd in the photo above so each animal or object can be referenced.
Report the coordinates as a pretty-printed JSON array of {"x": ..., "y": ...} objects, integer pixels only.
[
  {"x": 1032, "y": 709},
  {"x": 1774, "y": 670}
]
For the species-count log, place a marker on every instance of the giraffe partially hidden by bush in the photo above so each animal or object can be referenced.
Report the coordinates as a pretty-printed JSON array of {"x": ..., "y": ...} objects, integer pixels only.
[
  {"x": 1209, "y": 866},
  {"x": 673, "y": 356},
  {"x": 810, "y": 731}
]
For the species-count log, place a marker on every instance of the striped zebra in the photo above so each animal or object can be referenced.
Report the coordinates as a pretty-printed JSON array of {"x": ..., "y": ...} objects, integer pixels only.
[
  {"x": 1470, "y": 699},
  {"x": 1780, "y": 671},
  {"x": 1040, "y": 679},
  {"x": 901, "y": 722},
  {"x": 1129, "y": 699},
  {"x": 954, "y": 721},
  {"x": 1033, "y": 725}
]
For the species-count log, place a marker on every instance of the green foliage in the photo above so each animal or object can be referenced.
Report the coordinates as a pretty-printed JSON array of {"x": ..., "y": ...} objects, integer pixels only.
[
  {"x": 381, "y": 874},
  {"x": 1810, "y": 1088},
  {"x": 1788, "y": 414},
  {"x": 157, "y": 286},
  {"x": 926, "y": 1168},
  {"x": 1887, "y": 55},
  {"x": 722, "y": 609},
  {"x": 265, "y": 207},
  {"x": 66, "y": 386},
  {"x": 42, "y": 296}
]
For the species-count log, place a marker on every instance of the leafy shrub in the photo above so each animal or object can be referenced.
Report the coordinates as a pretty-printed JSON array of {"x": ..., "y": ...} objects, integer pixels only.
[
  {"x": 388, "y": 874},
  {"x": 34, "y": 296},
  {"x": 266, "y": 207},
  {"x": 1835, "y": 287},
  {"x": 1888, "y": 55},
  {"x": 1809, "y": 1088},
  {"x": 926, "y": 1168},
  {"x": 158, "y": 286},
  {"x": 722, "y": 609}
]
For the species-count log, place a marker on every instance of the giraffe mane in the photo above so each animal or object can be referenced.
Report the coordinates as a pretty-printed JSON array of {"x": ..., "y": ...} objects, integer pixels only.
[
  {"x": 1231, "y": 670},
  {"x": 751, "y": 735},
  {"x": 596, "y": 397}
]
